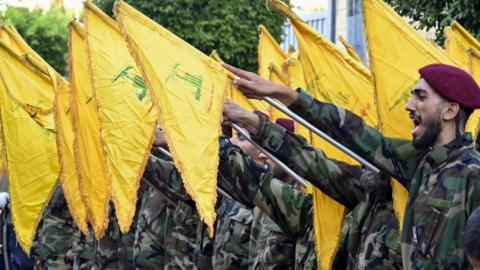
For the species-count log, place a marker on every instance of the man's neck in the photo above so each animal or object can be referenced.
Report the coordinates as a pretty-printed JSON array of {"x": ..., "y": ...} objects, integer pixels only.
[{"x": 447, "y": 135}]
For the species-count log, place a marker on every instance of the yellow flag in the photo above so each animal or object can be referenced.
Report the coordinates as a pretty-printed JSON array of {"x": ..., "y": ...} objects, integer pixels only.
[
  {"x": 270, "y": 59},
  {"x": 463, "y": 36},
  {"x": 350, "y": 50},
  {"x": 38, "y": 104},
  {"x": 68, "y": 172},
  {"x": 268, "y": 52},
  {"x": 189, "y": 87},
  {"x": 396, "y": 53},
  {"x": 293, "y": 70},
  {"x": 62, "y": 126},
  {"x": 31, "y": 149},
  {"x": 127, "y": 117},
  {"x": 474, "y": 63},
  {"x": 236, "y": 96},
  {"x": 332, "y": 76},
  {"x": 87, "y": 146},
  {"x": 3, "y": 154},
  {"x": 462, "y": 46},
  {"x": 455, "y": 47},
  {"x": 10, "y": 36}
]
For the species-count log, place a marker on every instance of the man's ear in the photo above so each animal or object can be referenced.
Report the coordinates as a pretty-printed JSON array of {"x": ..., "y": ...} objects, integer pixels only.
[{"x": 450, "y": 111}]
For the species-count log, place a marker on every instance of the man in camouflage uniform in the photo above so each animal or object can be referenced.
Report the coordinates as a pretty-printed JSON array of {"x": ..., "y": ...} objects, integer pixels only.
[
  {"x": 440, "y": 167},
  {"x": 152, "y": 228},
  {"x": 232, "y": 235},
  {"x": 55, "y": 235},
  {"x": 112, "y": 251},
  {"x": 179, "y": 236},
  {"x": 269, "y": 246},
  {"x": 244, "y": 180},
  {"x": 188, "y": 245},
  {"x": 191, "y": 244},
  {"x": 370, "y": 229}
]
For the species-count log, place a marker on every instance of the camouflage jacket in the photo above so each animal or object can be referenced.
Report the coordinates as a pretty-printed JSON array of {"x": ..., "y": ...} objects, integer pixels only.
[
  {"x": 270, "y": 247},
  {"x": 254, "y": 185},
  {"x": 370, "y": 237},
  {"x": 55, "y": 235},
  {"x": 152, "y": 228},
  {"x": 184, "y": 240},
  {"x": 112, "y": 251},
  {"x": 443, "y": 183},
  {"x": 232, "y": 235}
]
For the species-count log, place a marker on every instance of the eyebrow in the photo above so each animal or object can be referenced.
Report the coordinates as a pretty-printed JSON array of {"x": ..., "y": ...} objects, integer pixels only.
[{"x": 418, "y": 91}]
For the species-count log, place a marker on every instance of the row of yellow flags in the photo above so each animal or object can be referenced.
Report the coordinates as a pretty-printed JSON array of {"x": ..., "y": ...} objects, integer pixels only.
[{"x": 94, "y": 131}]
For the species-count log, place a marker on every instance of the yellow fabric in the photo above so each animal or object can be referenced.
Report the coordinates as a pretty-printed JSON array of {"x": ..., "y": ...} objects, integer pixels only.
[
  {"x": 293, "y": 70},
  {"x": 3, "y": 154},
  {"x": 90, "y": 158},
  {"x": 38, "y": 104},
  {"x": 474, "y": 63},
  {"x": 333, "y": 76},
  {"x": 394, "y": 73},
  {"x": 455, "y": 47},
  {"x": 62, "y": 125},
  {"x": 68, "y": 126},
  {"x": 190, "y": 88},
  {"x": 270, "y": 58},
  {"x": 460, "y": 45},
  {"x": 127, "y": 117},
  {"x": 464, "y": 36},
  {"x": 236, "y": 96},
  {"x": 350, "y": 50},
  {"x": 10, "y": 36},
  {"x": 31, "y": 150},
  {"x": 268, "y": 52},
  {"x": 276, "y": 65}
]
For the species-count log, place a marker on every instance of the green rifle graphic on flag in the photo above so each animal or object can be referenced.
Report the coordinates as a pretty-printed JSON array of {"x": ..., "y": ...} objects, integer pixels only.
[
  {"x": 137, "y": 81},
  {"x": 195, "y": 81}
]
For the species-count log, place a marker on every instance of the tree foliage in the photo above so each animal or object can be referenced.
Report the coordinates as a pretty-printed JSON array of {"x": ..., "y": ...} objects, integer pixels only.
[
  {"x": 45, "y": 31},
  {"x": 438, "y": 14},
  {"x": 230, "y": 27}
]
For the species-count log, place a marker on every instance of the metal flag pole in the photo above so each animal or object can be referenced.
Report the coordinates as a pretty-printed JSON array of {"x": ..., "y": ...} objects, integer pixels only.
[
  {"x": 282, "y": 165},
  {"x": 320, "y": 133},
  {"x": 168, "y": 154}
]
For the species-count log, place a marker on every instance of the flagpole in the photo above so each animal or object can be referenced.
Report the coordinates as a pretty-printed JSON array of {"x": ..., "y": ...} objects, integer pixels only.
[
  {"x": 320, "y": 133},
  {"x": 282, "y": 165},
  {"x": 168, "y": 154}
]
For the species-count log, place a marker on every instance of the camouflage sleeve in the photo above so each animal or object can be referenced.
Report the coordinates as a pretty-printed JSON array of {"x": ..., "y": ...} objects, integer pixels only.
[
  {"x": 337, "y": 179},
  {"x": 164, "y": 177},
  {"x": 252, "y": 185},
  {"x": 396, "y": 157},
  {"x": 473, "y": 190}
]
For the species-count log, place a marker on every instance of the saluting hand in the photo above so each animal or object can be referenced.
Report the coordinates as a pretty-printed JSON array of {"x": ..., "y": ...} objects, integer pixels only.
[
  {"x": 254, "y": 86},
  {"x": 234, "y": 113}
]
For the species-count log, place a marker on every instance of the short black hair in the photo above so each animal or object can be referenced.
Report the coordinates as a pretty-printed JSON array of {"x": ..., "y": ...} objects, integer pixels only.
[
  {"x": 472, "y": 235},
  {"x": 464, "y": 114}
]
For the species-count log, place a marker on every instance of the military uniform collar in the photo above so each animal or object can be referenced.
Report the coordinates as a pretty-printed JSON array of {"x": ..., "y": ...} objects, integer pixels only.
[{"x": 450, "y": 150}]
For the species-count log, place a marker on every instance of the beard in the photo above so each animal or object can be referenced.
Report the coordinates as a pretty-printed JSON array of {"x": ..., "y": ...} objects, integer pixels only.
[{"x": 433, "y": 128}]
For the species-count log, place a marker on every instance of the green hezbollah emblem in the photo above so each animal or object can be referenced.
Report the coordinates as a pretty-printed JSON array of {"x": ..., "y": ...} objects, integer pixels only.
[
  {"x": 195, "y": 81},
  {"x": 137, "y": 81}
]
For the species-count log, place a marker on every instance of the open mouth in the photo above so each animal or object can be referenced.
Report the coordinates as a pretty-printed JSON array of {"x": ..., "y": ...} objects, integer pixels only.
[{"x": 417, "y": 125}]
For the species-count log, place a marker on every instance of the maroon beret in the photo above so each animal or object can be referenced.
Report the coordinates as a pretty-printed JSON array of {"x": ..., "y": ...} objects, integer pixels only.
[
  {"x": 452, "y": 83},
  {"x": 288, "y": 124},
  {"x": 257, "y": 112}
]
